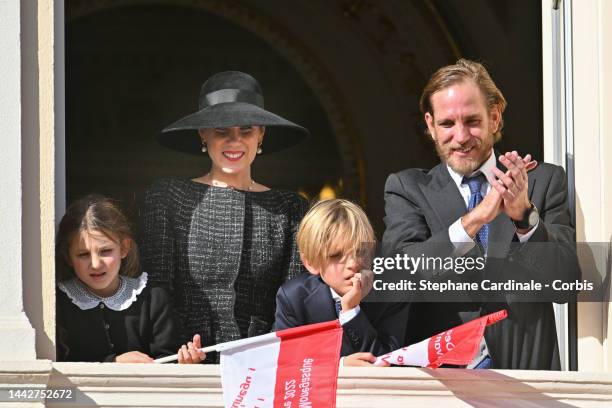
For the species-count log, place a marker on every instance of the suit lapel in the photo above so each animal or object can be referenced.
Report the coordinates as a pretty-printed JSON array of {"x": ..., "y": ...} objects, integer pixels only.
[
  {"x": 320, "y": 307},
  {"x": 319, "y": 304},
  {"x": 501, "y": 232},
  {"x": 531, "y": 185},
  {"x": 443, "y": 196},
  {"x": 501, "y": 229}
]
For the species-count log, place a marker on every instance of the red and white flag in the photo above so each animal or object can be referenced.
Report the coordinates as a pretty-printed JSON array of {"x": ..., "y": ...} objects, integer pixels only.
[
  {"x": 457, "y": 346},
  {"x": 294, "y": 368}
]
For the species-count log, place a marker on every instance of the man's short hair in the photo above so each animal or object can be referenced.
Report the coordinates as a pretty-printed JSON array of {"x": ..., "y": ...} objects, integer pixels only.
[
  {"x": 335, "y": 227},
  {"x": 462, "y": 71}
]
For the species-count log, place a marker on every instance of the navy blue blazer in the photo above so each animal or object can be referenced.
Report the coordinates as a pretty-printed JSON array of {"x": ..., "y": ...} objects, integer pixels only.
[{"x": 378, "y": 328}]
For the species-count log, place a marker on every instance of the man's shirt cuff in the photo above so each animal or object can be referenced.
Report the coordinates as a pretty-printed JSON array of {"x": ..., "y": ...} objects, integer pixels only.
[
  {"x": 349, "y": 315},
  {"x": 525, "y": 237},
  {"x": 460, "y": 239}
]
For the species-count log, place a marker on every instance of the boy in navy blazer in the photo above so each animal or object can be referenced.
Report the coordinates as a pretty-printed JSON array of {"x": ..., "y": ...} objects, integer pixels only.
[{"x": 336, "y": 243}]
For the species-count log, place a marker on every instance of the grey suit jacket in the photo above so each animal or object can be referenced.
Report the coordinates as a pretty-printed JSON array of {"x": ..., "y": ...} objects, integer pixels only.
[{"x": 420, "y": 205}]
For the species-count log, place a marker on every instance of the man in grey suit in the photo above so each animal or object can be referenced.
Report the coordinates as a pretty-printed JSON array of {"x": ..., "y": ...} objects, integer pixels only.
[{"x": 479, "y": 202}]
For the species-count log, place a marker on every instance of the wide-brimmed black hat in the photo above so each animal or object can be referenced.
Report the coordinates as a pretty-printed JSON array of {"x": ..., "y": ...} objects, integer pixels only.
[{"x": 228, "y": 99}]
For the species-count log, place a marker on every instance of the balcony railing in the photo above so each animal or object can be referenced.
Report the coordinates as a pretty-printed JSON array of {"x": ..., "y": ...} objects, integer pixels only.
[{"x": 126, "y": 385}]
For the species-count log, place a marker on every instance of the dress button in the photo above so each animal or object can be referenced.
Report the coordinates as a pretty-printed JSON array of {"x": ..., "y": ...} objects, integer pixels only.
[
  {"x": 107, "y": 326},
  {"x": 111, "y": 345},
  {"x": 101, "y": 305}
]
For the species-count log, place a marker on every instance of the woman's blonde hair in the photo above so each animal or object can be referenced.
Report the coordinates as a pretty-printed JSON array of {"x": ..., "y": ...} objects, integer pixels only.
[
  {"x": 335, "y": 227},
  {"x": 94, "y": 213}
]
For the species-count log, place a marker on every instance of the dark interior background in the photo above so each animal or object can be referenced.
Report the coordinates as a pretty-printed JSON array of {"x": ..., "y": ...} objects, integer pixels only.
[{"x": 350, "y": 71}]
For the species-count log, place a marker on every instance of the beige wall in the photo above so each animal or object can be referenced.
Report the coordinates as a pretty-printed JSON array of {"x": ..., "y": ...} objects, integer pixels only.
[
  {"x": 42, "y": 128},
  {"x": 606, "y": 89},
  {"x": 592, "y": 92},
  {"x": 16, "y": 333}
]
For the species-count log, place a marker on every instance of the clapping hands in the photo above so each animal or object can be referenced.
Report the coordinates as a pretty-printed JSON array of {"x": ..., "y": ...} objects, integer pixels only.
[
  {"x": 508, "y": 193},
  {"x": 513, "y": 184}
]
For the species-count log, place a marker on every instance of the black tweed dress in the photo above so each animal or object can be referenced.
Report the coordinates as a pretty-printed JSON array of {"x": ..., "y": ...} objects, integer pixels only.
[{"x": 224, "y": 253}]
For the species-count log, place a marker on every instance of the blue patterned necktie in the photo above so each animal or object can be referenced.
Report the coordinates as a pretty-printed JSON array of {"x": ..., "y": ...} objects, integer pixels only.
[
  {"x": 338, "y": 305},
  {"x": 475, "y": 184}
]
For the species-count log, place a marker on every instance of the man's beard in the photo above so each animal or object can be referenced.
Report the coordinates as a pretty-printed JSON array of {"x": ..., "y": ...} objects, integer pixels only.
[{"x": 466, "y": 166}]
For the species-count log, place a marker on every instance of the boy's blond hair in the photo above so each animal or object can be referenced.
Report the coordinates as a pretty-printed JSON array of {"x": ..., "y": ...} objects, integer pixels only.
[{"x": 335, "y": 227}]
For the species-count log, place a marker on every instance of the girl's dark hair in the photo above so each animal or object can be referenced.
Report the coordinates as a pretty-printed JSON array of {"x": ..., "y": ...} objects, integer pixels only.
[{"x": 94, "y": 212}]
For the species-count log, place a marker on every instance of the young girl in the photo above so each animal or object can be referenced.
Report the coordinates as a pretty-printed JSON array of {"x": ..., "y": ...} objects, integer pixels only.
[{"x": 106, "y": 312}]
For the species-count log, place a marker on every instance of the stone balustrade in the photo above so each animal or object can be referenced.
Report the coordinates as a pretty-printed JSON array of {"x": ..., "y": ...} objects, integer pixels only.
[{"x": 129, "y": 385}]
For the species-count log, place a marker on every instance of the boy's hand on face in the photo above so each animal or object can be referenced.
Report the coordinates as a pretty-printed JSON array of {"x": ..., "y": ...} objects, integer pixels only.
[{"x": 352, "y": 298}]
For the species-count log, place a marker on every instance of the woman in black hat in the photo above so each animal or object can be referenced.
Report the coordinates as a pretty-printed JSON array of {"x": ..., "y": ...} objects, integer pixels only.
[{"x": 224, "y": 242}]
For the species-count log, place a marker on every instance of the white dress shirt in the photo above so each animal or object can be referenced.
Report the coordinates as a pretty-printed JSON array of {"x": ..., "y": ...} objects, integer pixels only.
[{"x": 345, "y": 316}]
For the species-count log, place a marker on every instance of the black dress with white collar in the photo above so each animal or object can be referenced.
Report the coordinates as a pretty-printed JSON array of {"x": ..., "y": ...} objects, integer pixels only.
[{"x": 138, "y": 317}]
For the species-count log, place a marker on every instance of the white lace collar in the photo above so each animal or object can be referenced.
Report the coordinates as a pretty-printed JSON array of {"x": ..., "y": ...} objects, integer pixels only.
[{"x": 129, "y": 289}]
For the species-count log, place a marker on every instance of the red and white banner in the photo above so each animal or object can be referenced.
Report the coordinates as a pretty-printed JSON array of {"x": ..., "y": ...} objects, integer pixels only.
[
  {"x": 294, "y": 368},
  {"x": 457, "y": 346}
]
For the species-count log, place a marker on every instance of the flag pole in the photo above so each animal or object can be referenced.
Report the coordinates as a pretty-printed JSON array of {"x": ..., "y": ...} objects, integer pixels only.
[
  {"x": 253, "y": 340},
  {"x": 174, "y": 357}
]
